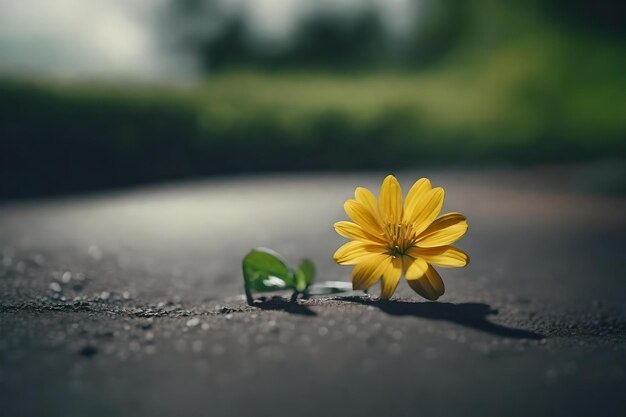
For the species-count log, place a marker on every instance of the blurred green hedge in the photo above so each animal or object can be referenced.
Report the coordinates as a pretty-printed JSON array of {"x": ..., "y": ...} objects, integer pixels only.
[{"x": 520, "y": 103}]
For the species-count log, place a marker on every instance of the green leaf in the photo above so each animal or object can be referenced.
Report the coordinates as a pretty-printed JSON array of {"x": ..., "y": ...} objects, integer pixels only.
[
  {"x": 265, "y": 270},
  {"x": 329, "y": 287},
  {"x": 308, "y": 269},
  {"x": 304, "y": 275}
]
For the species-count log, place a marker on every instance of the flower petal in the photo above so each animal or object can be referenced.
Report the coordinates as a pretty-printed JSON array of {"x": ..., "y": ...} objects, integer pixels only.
[
  {"x": 445, "y": 230},
  {"x": 444, "y": 256},
  {"x": 390, "y": 201},
  {"x": 365, "y": 197},
  {"x": 362, "y": 216},
  {"x": 353, "y": 252},
  {"x": 391, "y": 278},
  {"x": 421, "y": 187},
  {"x": 414, "y": 267},
  {"x": 426, "y": 209},
  {"x": 367, "y": 272},
  {"x": 429, "y": 285},
  {"x": 355, "y": 232}
]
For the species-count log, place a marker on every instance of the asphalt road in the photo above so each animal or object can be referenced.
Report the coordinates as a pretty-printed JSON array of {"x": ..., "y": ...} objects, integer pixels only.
[{"x": 130, "y": 304}]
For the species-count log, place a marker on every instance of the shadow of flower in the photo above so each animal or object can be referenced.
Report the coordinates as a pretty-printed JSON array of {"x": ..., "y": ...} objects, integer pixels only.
[{"x": 472, "y": 315}]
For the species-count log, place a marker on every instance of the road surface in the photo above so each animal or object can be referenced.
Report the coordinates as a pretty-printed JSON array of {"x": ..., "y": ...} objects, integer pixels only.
[{"x": 130, "y": 303}]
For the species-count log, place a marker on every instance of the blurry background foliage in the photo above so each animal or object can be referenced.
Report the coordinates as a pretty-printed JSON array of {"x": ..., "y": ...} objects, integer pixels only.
[{"x": 369, "y": 85}]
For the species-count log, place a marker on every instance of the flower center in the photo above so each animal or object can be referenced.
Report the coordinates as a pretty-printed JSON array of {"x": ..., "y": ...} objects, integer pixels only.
[{"x": 400, "y": 238}]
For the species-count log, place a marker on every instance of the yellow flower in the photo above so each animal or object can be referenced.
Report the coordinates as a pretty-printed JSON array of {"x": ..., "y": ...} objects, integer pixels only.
[{"x": 389, "y": 238}]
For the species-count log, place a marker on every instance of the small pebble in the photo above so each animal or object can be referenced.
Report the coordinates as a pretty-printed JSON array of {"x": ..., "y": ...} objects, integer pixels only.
[
  {"x": 193, "y": 322},
  {"x": 55, "y": 286}
]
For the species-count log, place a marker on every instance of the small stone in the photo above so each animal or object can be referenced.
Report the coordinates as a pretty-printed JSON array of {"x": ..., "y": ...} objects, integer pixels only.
[
  {"x": 193, "y": 322},
  {"x": 126, "y": 295},
  {"x": 104, "y": 295},
  {"x": 55, "y": 286},
  {"x": 66, "y": 277},
  {"x": 149, "y": 336}
]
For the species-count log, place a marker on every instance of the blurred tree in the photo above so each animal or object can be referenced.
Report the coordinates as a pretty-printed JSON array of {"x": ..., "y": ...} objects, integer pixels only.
[
  {"x": 327, "y": 40},
  {"x": 322, "y": 41},
  {"x": 229, "y": 49},
  {"x": 440, "y": 27},
  {"x": 334, "y": 42},
  {"x": 223, "y": 39}
]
